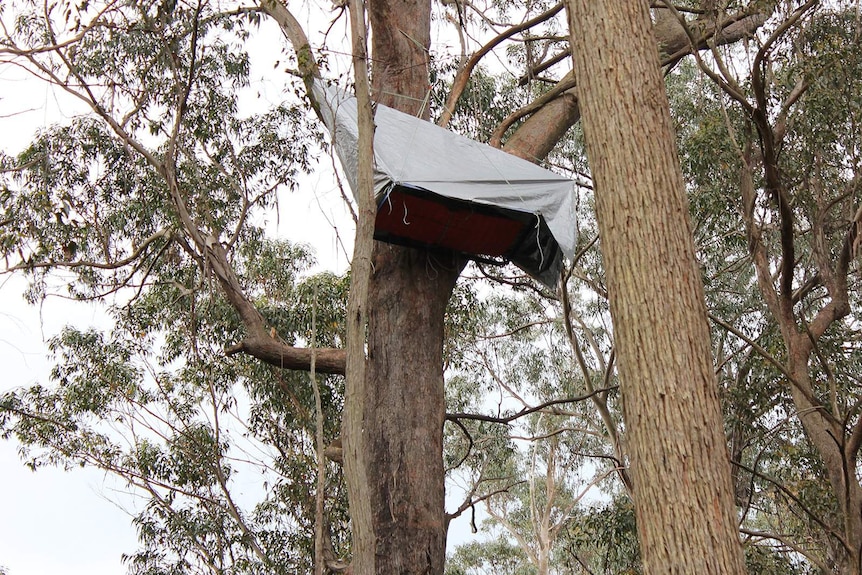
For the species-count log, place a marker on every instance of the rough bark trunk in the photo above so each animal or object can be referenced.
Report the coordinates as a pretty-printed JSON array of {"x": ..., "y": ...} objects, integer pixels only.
[
  {"x": 395, "y": 462},
  {"x": 405, "y": 409},
  {"x": 679, "y": 464}
]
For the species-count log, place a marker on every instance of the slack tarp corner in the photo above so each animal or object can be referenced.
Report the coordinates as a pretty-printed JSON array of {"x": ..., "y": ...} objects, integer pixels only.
[{"x": 435, "y": 188}]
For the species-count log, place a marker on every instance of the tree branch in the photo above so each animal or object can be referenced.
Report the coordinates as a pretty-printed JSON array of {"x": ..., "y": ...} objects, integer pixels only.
[
  {"x": 527, "y": 410},
  {"x": 463, "y": 76},
  {"x": 292, "y": 29},
  {"x": 284, "y": 356},
  {"x": 161, "y": 234},
  {"x": 542, "y": 66},
  {"x": 826, "y": 528},
  {"x": 470, "y": 502},
  {"x": 784, "y": 541},
  {"x": 803, "y": 389},
  {"x": 544, "y": 127},
  {"x": 564, "y": 85},
  {"x": 774, "y": 181}
]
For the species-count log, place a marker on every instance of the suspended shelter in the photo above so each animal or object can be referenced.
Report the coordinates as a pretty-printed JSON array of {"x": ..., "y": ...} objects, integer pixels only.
[{"x": 435, "y": 188}]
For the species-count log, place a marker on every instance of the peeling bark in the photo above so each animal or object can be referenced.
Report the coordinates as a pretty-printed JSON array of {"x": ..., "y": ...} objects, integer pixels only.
[{"x": 355, "y": 431}]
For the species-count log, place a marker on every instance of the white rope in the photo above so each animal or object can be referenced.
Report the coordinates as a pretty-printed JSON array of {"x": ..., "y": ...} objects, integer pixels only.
[{"x": 538, "y": 241}]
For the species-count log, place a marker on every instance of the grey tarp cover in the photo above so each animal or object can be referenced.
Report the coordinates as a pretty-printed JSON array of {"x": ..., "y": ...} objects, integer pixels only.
[{"x": 411, "y": 151}]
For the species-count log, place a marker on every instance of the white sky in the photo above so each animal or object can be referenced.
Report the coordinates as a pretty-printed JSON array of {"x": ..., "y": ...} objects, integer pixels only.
[{"x": 51, "y": 521}]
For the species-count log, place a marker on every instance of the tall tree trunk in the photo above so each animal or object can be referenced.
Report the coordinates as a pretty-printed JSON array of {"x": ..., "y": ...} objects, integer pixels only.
[
  {"x": 679, "y": 463},
  {"x": 404, "y": 409},
  {"x": 393, "y": 456}
]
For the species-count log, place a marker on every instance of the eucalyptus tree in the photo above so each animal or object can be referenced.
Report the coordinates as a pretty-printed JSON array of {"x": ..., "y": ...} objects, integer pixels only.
[
  {"x": 403, "y": 294},
  {"x": 524, "y": 441},
  {"x": 671, "y": 407},
  {"x": 807, "y": 78},
  {"x": 598, "y": 539}
]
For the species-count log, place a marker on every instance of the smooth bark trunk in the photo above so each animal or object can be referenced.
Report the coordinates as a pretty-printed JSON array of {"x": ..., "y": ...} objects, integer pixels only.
[{"x": 679, "y": 464}]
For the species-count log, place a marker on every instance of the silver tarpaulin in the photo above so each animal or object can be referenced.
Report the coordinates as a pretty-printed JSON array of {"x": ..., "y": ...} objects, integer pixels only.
[{"x": 419, "y": 155}]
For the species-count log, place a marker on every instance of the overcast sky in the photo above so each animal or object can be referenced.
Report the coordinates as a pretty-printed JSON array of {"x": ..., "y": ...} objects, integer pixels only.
[{"x": 51, "y": 521}]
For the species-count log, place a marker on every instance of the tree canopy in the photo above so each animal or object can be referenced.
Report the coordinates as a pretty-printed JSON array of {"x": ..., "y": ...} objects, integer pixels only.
[{"x": 155, "y": 203}]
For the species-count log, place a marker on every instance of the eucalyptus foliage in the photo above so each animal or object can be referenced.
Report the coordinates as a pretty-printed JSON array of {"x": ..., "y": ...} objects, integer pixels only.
[{"x": 811, "y": 81}]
